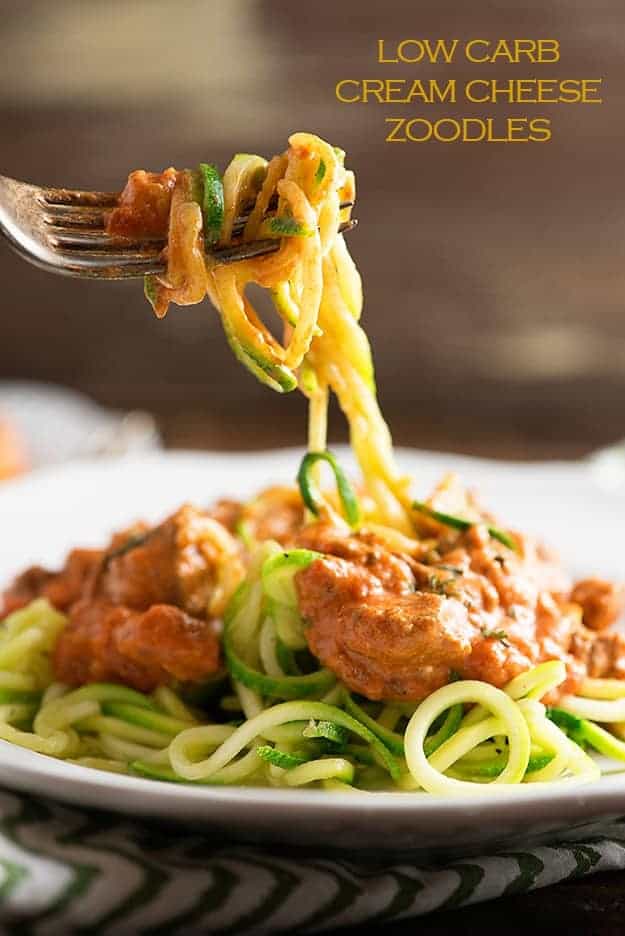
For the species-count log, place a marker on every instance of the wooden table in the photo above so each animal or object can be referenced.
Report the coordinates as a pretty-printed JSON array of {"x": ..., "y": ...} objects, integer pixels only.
[{"x": 593, "y": 906}]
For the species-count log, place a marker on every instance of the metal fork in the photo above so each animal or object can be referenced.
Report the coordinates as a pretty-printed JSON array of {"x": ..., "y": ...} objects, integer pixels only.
[{"x": 63, "y": 231}]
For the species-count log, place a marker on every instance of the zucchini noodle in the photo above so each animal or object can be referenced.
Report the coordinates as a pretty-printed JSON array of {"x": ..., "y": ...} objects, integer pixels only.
[
  {"x": 506, "y": 719},
  {"x": 314, "y": 285}
]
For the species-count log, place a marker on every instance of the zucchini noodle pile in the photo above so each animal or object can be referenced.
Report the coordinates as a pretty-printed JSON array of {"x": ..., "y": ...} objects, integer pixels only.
[{"x": 275, "y": 724}]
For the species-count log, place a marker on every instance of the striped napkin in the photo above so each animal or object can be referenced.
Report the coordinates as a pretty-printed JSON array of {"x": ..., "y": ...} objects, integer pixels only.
[{"x": 67, "y": 870}]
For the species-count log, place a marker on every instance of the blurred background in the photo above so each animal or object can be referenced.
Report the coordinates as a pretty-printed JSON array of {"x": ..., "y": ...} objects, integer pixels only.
[{"x": 494, "y": 274}]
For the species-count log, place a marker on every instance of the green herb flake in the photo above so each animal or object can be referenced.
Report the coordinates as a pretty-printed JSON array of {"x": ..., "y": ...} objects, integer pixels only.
[
  {"x": 435, "y": 584},
  {"x": 133, "y": 542},
  {"x": 499, "y": 635}
]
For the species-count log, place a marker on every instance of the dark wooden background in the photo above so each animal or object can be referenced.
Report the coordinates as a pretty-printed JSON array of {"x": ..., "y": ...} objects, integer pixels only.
[{"x": 494, "y": 274}]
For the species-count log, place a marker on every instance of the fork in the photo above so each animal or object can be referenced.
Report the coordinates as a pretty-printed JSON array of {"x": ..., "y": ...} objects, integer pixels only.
[{"x": 63, "y": 231}]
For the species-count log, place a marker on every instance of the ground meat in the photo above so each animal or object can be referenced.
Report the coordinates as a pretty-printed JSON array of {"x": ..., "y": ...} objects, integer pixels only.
[
  {"x": 603, "y": 654},
  {"x": 137, "y": 611},
  {"x": 384, "y": 569},
  {"x": 142, "y": 618},
  {"x": 25, "y": 588},
  {"x": 227, "y": 512},
  {"x": 174, "y": 563},
  {"x": 277, "y": 513},
  {"x": 602, "y": 602},
  {"x": 393, "y": 627},
  {"x": 143, "y": 209},
  {"x": 104, "y": 642},
  {"x": 382, "y": 645},
  {"x": 61, "y": 589}
]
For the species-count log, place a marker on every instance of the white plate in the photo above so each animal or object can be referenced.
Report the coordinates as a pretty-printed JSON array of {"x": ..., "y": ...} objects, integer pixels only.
[{"x": 42, "y": 516}]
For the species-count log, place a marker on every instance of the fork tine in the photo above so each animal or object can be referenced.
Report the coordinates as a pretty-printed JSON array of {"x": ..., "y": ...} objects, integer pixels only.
[
  {"x": 73, "y": 197},
  {"x": 92, "y": 239},
  {"x": 262, "y": 247},
  {"x": 103, "y": 258},
  {"x": 74, "y": 215},
  {"x": 73, "y": 266},
  {"x": 117, "y": 266}
]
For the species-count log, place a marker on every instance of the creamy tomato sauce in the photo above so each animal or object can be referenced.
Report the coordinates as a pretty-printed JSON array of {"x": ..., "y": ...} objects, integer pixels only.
[
  {"x": 137, "y": 611},
  {"x": 397, "y": 627}
]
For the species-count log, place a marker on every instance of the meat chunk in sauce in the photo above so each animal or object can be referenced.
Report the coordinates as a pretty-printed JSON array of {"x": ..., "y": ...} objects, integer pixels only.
[
  {"x": 143, "y": 209},
  {"x": 277, "y": 513},
  {"x": 61, "y": 589},
  {"x": 381, "y": 644},
  {"x": 142, "y": 649},
  {"x": 398, "y": 627},
  {"x": 174, "y": 563},
  {"x": 138, "y": 613},
  {"x": 602, "y": 602}
]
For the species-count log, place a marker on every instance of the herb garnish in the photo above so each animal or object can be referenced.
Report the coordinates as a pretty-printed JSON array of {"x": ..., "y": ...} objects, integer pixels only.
[
  {"x": 134, "y": 541},
  {"x": 436, "y": 584},
  {"x": 442, "y": 586},
  {"x": 499, "y": 635}
]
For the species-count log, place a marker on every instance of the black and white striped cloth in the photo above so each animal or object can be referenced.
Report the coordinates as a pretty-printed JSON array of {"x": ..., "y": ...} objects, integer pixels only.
[{"x": 65, "y": 870}]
